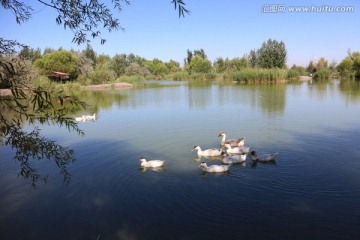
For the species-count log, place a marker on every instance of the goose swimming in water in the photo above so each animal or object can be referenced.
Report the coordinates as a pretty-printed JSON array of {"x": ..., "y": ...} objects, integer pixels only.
[
  {"x": 212, "y": 152},
  {"x": 80, "y": 119},
  {"x": 237, "y": 150},
  {"x": 151, "y": 163},
  {"x": 214, "y": 168},
  {"x": 236, "y": 142},
  {"x": 230, "y": 159},
  {"x": 263, "y": 157},
  {"x": 90, "y": 117}
]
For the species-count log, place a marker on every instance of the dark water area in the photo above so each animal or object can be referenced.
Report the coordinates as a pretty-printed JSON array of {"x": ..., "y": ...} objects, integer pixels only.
[{"x": 311, "y": 191}]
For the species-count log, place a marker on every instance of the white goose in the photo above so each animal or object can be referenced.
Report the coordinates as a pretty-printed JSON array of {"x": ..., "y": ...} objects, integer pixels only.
[
  {"x": 263, "y": 157},
  {"x": 90, "y": 117},
  {"x": 237, "y": 150},
  {"x": 151, "y": 163},
  {"x": 80, "y": 119},
  {"x": 230, "y": 159},
  {"x": 214, "y": 168},
  {"x": 236, "y": 142},
  {"x": 211, "y": 152}
]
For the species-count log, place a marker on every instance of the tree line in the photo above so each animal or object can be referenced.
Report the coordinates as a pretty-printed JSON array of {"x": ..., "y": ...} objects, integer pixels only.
[{"x": 89, "y": 67}]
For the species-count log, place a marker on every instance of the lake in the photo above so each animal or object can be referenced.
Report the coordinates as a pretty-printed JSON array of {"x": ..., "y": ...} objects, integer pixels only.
[{"x": 311, "y": 191}]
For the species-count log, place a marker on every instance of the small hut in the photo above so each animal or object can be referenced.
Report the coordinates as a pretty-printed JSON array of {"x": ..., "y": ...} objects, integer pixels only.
[{"x": 60, "y": 76}]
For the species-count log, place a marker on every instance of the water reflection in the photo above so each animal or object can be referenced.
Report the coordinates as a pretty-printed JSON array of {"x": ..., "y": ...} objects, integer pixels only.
[
  {"x": 256, "y": 163},
  {"x": 154, "y": 169}
]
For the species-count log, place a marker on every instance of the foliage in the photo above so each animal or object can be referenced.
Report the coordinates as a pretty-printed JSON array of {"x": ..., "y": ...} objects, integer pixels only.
[
  {"x": 37, "y": 106},
  {"x": 16, "y": 71},
  {"x": 322, "y": 73},
  {"x": 272, "y": 54},
  {"x": 295, "y": 72},
  {"x": 90, "y": 54},
  {"x": 199, "y": 65},
  {"x": 219, "y": 65},
  {"x": 102, "y": 74},
  {"x": 346, "y": 68},
  {"x": 259, "y": 75},
  {"x": 118, "y": 64},
  {"x": 29, "y": 54},
  {"x": 134, "y": 69},
  {"x": 157, "y": 68},
  {"x": 311, "y": 68},
  {"x": 60, "y": 61},
  {"x": 173, "y": 66}
]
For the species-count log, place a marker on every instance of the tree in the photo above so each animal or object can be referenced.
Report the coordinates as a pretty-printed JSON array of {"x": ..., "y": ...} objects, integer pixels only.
[
  {"x": 200, "y": 53},
  {"x": 200, "y": 65},
  {"x": 86, "y": 19},
  {"x": 30, "y": 54},
  {"x": 60, "y": 61},
  {"x": 189, "y": 57},
  {"x": 219, "y": 65},
  {"x": 322, "y": 63},
  {"x": 134, "y": 69},
  {"x": 237, "y": 64},
  {"x": 172, "y": 66},
  {"x": 311, "y": 68},
  {"x": 157, "y": 68},
  {"x": 119, "y": 63},
  {"x": 271, "y": 54},
  {"x": 346, "y": 68},
  {"x": 90, "y": 54}
]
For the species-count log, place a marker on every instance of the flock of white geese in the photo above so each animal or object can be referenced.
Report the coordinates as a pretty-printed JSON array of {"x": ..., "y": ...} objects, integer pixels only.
[
  {"x": 85, "y": 118},
  {"x": 231, "y": 151}
]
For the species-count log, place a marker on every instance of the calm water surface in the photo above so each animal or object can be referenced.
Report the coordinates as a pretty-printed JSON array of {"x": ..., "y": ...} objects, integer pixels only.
[{"x": 312, "y": 191}]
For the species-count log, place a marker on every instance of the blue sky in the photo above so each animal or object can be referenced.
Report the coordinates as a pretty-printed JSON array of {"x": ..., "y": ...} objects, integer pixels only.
[{"x": 224, "y": 28}]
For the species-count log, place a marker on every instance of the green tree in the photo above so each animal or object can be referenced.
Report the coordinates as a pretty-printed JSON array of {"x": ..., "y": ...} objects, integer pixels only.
[
  {"x": 189, "y": 56},
  {"x": 200, "y": 65},
  {"x": 90, "y": 54},
  {"x": 271, "y": 54},
  {"x": 172, "y": 66},
  {"x": 346, "y": 68},
  {"x": 253, "y": 58},
  {"x": 157, "y": 68},
  {"x": 134, "y": 69},
  {"x": 30, "y": 54},
  {"x": 322, "y": 63},
  {"x": 311, "y": 68},
  {"x": 219, "y": 65},
  {"x": 60, "y": 61},
  {"x": 237, "y": 64},
  {"x": 119, "y": 63},
  {"x": 201, "y": 53}
]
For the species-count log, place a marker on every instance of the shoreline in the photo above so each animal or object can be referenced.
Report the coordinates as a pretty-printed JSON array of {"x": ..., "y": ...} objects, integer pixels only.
[{"x": 105, "y": 86}]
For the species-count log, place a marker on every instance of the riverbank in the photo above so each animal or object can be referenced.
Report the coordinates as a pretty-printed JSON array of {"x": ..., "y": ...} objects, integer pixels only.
[
  {"x": 107, "y": 86},
  {"x": 7, "y": 92}
]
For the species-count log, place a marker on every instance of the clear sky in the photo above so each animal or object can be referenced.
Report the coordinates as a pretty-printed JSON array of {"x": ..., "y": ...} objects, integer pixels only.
[{"x": 226, "y": 28}]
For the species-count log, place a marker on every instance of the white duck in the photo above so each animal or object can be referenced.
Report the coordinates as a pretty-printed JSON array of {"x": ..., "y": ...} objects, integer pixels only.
[
  {"x": 236, "y": 142},
  {"x": 237, "y": 150},
  {"x": 151, "y": 163},
  {"x": 230, "y": 159},
  {"x": 80, "y": 119},
  {"x": 211, "y": 152},
  {"x": 90, "y": 117},
  {"x": 214, "y": 168},
  {"x": 263, "y": 157}
]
